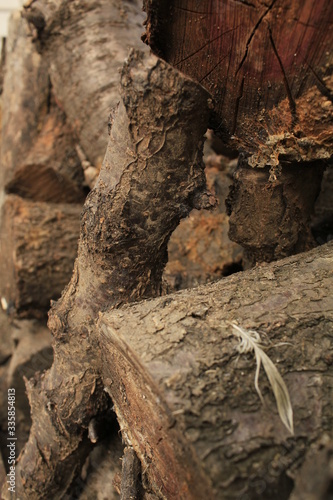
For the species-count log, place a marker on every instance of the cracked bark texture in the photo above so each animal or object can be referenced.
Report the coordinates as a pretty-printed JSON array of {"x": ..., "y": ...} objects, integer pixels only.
[
  {"x": 185, "y": 397},
  {"x": 152, "y": 176},
  {"x": 268, "y": 66}
]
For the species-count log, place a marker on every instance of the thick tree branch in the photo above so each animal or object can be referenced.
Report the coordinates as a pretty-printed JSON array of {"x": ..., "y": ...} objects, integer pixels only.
[{"x": 152, "y": 176}]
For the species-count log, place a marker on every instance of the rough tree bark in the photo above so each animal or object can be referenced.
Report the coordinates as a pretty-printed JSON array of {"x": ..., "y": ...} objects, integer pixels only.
[
  {"x": 152, "y": 177},
  {"x": 184, "y": 396}
]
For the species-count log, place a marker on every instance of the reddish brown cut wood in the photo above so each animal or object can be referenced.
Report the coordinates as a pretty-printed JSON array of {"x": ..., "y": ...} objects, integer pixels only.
[{"x": 268, "y": 66}]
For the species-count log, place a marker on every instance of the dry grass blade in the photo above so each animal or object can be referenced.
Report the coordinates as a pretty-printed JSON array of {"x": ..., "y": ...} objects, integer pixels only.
[{"x": 250, "y": 341}]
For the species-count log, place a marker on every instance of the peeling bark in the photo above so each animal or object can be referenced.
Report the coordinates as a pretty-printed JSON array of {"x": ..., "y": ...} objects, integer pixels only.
[
  {"x": 185, "y": 399},
  {"x": 130, "y": 480}
]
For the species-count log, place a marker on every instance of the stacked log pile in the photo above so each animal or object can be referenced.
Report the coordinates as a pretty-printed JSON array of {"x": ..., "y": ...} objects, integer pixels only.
[{"x": 173, "y": 373}]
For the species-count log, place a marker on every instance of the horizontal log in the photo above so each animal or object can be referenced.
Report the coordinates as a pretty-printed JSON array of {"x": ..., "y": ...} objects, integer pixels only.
[
  {"x": 38, "y": 245},
  {"x": 185, "y": 396}
]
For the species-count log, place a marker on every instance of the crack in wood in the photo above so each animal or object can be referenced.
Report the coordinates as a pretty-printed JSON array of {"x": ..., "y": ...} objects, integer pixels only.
[
  {"x": 183, "y": 9},
  {"x": 322, "y": 87},
  {"x": 292, "y": 103},
  {"x": 240, "y": 95},
  {"x": 205, "y": 45},
  {"x": 306, "y": 25},
  {"x": 244, "y": 2},
  {"x": 216, "y": 65},
  {"x": 252, "y": 35}
]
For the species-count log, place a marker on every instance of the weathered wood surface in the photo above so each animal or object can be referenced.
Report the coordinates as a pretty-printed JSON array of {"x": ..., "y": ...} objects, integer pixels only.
[
  {"x": 267, "y": 65},
  {"x": 38, "y": 246},
  {"x": 185, "y": 398},
  {"x": 85, "y": 45},
  {"x": 152, "y": 176}
]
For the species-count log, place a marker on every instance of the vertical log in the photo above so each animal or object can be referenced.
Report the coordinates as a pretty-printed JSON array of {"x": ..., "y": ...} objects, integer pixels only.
[{"x": 270, "y": 215}]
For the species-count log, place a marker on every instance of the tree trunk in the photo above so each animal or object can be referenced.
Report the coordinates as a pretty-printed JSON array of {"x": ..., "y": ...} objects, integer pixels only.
[{"x": 185, "y": 397}]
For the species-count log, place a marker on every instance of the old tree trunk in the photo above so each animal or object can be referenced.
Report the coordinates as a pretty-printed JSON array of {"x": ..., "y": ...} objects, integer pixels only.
[{"x": 167, "y": 369}]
